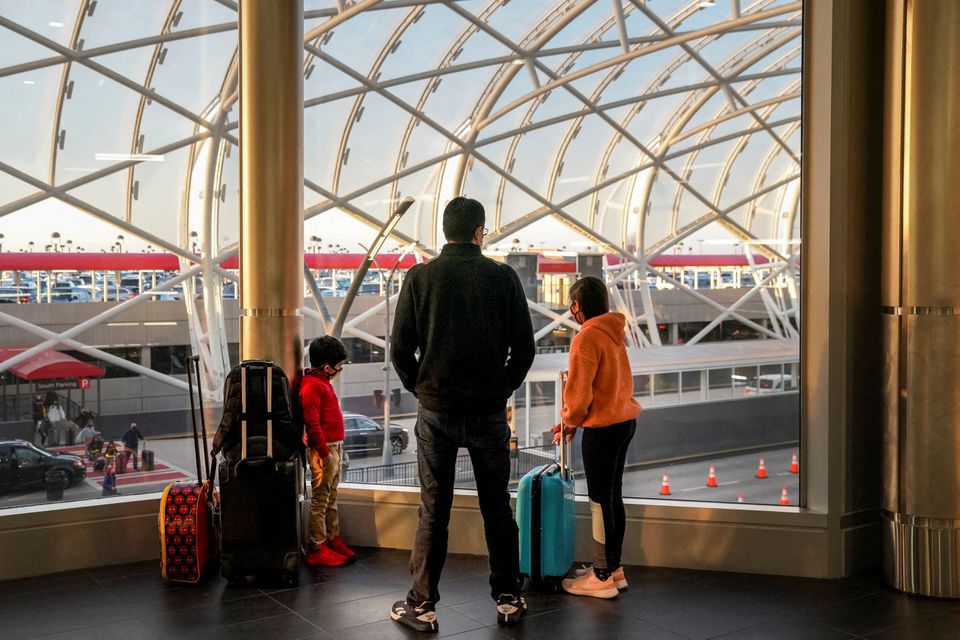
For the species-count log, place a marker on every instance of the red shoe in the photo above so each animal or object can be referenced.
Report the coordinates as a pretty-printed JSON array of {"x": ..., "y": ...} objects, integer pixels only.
[
  {"x": 326, "y": 557},
  {"x": 338, "y": 545}
]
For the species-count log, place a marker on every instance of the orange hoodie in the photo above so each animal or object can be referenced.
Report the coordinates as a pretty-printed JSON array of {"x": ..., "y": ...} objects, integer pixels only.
[{"x": 599, "y": 390}]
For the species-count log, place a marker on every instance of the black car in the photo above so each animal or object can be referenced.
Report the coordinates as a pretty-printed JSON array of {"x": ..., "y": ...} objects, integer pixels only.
[
  {"x": 364, "y": 437},
  {"x": 24, "y": 466}
]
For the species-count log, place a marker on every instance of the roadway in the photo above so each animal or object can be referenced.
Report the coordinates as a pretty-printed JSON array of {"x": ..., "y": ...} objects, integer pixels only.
[{"x": 735, "y": 475}]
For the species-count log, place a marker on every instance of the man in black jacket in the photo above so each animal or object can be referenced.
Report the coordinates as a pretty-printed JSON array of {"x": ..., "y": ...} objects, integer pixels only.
[{"x": 467, "y": 316}]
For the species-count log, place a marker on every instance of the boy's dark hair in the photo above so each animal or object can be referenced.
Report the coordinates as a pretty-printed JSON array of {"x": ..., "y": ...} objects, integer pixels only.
[
  {"x": 326, "y": 350},
  {"x": 461, "y": 217},
  {"x": 591, "y": 293}
]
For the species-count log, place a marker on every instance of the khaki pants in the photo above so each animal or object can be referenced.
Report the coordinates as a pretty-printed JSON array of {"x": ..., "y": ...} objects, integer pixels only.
[{"x": 324, "y": 521}]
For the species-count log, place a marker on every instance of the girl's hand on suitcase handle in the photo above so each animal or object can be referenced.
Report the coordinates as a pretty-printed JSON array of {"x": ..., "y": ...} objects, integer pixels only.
[{"x": 568, "y": 431}]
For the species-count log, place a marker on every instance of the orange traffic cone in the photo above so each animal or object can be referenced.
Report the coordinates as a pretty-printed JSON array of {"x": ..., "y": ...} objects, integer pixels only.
[
  {"x": 794, "y": 464},
  {"x": 784, "y": 497},
  {"x": 712, "y": 477},
  {"x": 762, "y": 470},
  {"x": 740, "y": 498},
  {"x": 665, "y": 486}
]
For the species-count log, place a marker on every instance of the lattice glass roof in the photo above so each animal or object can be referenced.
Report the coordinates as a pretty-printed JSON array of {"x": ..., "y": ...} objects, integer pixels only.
[{"x": 624, "y": 124}]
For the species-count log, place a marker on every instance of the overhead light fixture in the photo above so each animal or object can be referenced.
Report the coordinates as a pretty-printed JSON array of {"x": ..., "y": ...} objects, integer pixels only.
[
  {"x": 123, "y": 324},
  {"x": 160, "y": 324},
  {"x": 58, "y": 25},
  {"x": 123, "y": 157},
  {"x": 29, "y": 82}
]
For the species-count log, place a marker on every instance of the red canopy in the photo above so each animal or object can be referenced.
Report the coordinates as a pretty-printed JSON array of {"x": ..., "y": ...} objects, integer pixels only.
[
  {"x": 49, "y": 365},
  {"x": 33, "y": 261}
]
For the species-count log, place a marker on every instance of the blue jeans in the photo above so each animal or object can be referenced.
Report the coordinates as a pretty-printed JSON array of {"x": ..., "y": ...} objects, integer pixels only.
[{"x": 487, "y": 439}]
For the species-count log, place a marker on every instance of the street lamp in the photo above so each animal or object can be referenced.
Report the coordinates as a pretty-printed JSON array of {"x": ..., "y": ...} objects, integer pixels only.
[
  {"x": 55, "y": 240},
  {"x": 387, "y": 437},
  {"x": 119, "y": 243},
  {"x": 193, "y": 242},
  {"x": 69, "y": 244},
  {"x": 365, "y": 265},
  {"x": 1, "y": 241}
]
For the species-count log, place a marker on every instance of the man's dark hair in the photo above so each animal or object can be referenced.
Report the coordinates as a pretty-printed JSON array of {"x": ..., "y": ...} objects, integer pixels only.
[
  {"x": 326, "y": 350},
  {"x": 591, "y": 293},
  {"x": 461, "y": 217}
]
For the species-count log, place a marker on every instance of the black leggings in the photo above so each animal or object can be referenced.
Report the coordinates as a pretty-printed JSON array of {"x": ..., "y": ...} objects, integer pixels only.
[{"x": 604, "y": 454}]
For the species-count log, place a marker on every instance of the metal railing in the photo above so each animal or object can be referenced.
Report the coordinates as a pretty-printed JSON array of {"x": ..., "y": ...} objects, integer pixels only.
[{"x": 405, "y": 473}]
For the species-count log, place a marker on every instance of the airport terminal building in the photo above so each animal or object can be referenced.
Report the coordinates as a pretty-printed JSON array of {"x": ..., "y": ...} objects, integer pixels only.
[{"x": 765, "y": 187}]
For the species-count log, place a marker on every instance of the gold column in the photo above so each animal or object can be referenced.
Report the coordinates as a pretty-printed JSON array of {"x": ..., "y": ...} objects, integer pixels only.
[
  {"x": 271, "y": 178},
  {"x": 921, "y": 297}
]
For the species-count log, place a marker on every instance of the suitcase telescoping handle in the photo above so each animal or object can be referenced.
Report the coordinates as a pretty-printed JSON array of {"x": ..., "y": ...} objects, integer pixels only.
[
  {"x": 243, "y": 409},
  {"x": 203, "y": 417},
  {"x": 194, "y": 360},
  {"x": 565, "y": 469}
]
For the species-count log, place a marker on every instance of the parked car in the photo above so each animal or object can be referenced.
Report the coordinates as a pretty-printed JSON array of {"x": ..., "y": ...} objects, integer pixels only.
[
  {"x": 24, "y": 466},
  {"x": 69, "y": 295},
  {"x": 364, "y": 437},
  {"x": 770, "y": 383},
  {"x": 16, "y": 295},
  {"x": 125, "y": 294}
]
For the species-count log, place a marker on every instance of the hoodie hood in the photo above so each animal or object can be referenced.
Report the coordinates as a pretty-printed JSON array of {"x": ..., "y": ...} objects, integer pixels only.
[{"x": 610, "y": 324}]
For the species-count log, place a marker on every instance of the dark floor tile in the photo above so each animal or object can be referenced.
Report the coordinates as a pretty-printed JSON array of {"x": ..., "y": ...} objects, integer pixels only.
[
  {"x": 695, "y": 611},
  {"x": 41, "y": 584},
  {"x": 352, "y": 613},
  {"x": 148, "y": 593},
  {"x": 590, "y": 618},
  {"x": 348, "y": 587},
  {"x": 288, "y": 626},
  {"x": 453, "y": 592},
  {"x": 787, "y": 629},
  {"x": 52, "y": 611},
  {"x": 172, "y": 621},
  {"x": 879, "y": 611},
  {"x": 112, "y": 629},
  {"x": 450, "y": 623},
  {"x": 787, "y": 594},
  {"x": 484, "y": 609},
  {"x": 483, "y": 633},
  {"x": 125, "y": 570},
  {"x": 942, "y": 626}
]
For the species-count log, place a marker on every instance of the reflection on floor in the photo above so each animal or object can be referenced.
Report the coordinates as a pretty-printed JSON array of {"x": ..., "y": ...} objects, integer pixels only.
[{"x": 131, "y": 601}]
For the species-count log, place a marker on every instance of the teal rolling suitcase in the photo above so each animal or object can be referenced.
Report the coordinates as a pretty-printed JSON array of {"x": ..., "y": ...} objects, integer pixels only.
[{"x": 545, "y": 516}]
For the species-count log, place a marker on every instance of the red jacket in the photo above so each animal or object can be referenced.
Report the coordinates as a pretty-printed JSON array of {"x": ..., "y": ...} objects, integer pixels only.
[{"x": 322, "y": 417}]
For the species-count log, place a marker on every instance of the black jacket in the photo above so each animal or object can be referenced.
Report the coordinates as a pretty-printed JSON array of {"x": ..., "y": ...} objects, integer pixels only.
[{"x": 468, "y": 317}]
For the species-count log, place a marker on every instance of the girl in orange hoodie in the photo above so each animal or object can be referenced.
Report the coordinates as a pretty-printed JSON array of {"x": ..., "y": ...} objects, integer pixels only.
[{"x": 599, "y": 397}]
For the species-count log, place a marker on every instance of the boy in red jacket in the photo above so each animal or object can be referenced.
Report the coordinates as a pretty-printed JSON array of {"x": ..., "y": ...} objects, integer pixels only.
[{"x": 323, "y": 421}]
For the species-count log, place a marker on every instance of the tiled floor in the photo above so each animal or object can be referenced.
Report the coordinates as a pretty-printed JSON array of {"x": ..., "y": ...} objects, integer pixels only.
[{"x": 132, "y": 603}]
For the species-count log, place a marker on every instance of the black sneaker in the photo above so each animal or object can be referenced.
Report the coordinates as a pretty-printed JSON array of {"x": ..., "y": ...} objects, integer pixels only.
[
  {"x": 421, "y": 617},
  {"x": 510, "y": 608}
]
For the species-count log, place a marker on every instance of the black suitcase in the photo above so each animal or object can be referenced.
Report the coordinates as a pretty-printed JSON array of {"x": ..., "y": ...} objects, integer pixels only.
[{"x": 261, "y": 492}]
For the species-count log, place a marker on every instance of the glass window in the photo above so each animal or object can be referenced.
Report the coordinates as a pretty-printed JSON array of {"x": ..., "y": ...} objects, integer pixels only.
[
  {"x": 666, "y": 387},
  {"x": 647, "y": 156},
  {"x": 169, "y": 360},
  {"x": 721, "y": 383}
]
